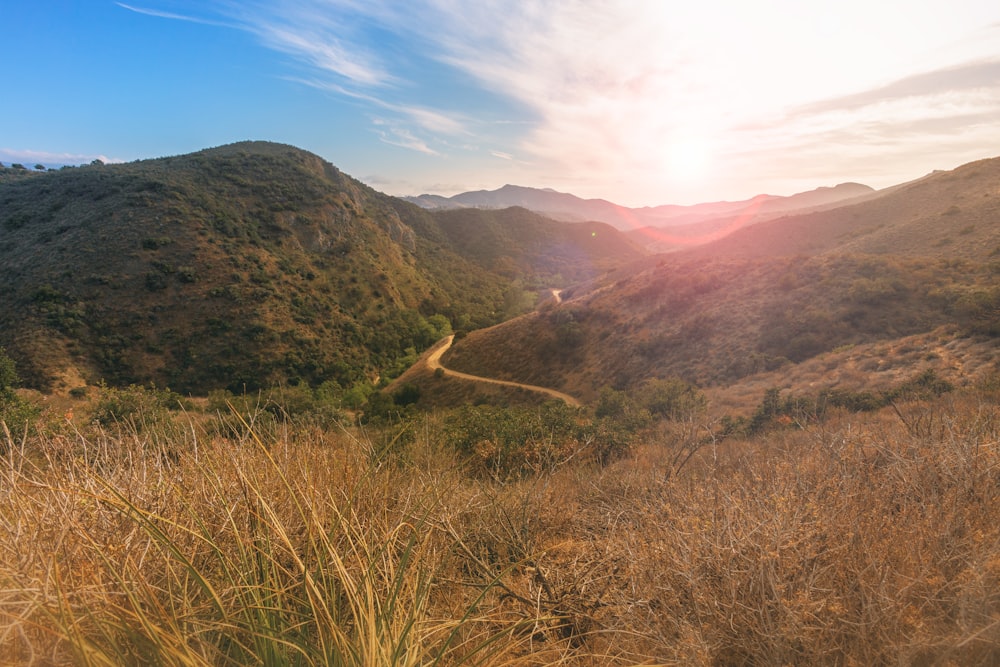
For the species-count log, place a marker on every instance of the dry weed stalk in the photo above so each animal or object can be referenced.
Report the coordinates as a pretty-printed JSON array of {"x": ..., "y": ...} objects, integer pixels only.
[{"x": 860, "y": 539}]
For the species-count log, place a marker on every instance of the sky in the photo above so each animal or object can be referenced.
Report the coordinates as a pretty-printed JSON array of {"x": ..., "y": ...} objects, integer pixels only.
[{"x": 641, "y": 102}]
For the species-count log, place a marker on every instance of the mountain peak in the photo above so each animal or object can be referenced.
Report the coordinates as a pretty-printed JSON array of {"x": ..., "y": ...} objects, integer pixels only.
[{"x": 569, "y": 207}]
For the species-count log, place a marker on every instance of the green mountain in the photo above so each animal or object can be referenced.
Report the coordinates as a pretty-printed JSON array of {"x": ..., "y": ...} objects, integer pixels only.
[{"x": 237, "y": 267}]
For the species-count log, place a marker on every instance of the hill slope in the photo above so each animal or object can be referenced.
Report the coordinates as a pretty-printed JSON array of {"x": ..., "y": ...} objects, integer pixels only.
[
  {"x": 242, "y": 265},
  {"x": 238, "y": 267},
  {"x": 518, "y": 244},
  {"x": 951, "y": 214},
  {"x": 775, "y": 293}
]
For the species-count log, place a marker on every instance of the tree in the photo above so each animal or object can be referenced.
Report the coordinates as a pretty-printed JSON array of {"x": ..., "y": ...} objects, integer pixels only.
[{"x": 40, "y": 167}]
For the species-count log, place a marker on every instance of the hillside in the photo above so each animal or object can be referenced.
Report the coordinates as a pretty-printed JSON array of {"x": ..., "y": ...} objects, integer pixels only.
[
  {"x": 947, "y": 215},
  {"x": 685, "y": 227},
  {"x": 239, "y": 267},
  {"x": 517, "y": 243},
  {"x": 777, "y": 293}
]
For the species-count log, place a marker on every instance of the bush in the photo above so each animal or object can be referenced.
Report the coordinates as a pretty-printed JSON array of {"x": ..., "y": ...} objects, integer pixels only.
[
  {"x": 136, "y": 406},
  {"x": 672, "y": 398},
  {"x": 510, "y": 442},
  {"x": 15, "y": 412},
  {"x": 9, "y": 379},
  {"x": 619, "y": 408}
]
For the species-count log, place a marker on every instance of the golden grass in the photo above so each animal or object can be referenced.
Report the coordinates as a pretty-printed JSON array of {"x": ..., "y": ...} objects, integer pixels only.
[{"x": 866, "y": 539}]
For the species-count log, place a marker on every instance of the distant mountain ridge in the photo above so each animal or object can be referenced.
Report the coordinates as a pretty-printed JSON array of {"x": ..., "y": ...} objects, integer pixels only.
[{"x": 569, "y": 207}]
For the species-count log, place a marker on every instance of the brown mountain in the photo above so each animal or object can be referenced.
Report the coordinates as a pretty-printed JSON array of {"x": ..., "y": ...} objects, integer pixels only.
[
  {"x": 945, "y": 215},
  {"x": 781, "y": 292}
]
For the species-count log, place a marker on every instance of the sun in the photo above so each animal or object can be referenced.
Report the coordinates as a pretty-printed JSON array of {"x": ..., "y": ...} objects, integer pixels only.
[{"x": 688, "y": 158}]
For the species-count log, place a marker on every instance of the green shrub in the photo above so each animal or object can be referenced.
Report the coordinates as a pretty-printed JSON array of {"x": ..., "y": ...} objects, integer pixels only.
[
  {"x": 9, "y": 379},
  {"x": 156, "y": 243},
  {"x": 618, "y": 407},
  {"x": 510, "y": 442},
  {"x": 135, "y": 406},
  {"x": 15, "y": 412},
  {"x": 672, "y": 398}
]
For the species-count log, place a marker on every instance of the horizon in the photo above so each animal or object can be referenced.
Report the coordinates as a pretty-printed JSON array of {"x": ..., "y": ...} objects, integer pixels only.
[{"x": 667, "y": 105}]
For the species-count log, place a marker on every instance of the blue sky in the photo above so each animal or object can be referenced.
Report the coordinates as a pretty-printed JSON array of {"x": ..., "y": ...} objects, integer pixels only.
[{"x": 642, "y": 102}]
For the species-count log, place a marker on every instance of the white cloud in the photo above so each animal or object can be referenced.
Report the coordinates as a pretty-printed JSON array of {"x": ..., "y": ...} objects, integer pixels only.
[
  {"x": 614, "y": 88},
  {"x": 169, "y": 15},
  {"x": 431, "y": 120},
  {"x": 394, "y": 135},
  {"x": 609, "y": 91},
  {"x": 49, "y": 158},
  {"x": 324, "y": 52}
]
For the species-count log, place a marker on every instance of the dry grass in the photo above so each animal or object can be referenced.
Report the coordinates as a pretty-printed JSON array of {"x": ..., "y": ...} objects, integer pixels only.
[{"x": 864, "y": 540}]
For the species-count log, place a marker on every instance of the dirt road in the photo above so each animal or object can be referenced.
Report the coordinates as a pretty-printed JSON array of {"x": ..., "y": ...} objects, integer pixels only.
[{"x": 434, "y": 363}]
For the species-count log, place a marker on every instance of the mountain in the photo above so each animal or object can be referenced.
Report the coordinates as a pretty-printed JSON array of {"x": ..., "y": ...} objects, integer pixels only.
[
  {"x": 515, "y": 242},
  {"x": 946, "y": 215},
  {"x": 243, "y": 266},
  {"x": 563, "y": 206},
  {"x": 433, "y": 202},
  {"x": 685, "y": 226},
  {"x": 775, "y": 295},
  {"x": 552, "y": 204}
]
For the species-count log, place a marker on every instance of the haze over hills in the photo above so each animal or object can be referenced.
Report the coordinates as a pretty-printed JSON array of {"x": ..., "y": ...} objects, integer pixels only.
[
  {"x": 248, "y": 265},
  {"x": 780, "y": 292},
  {"x": 563, "y": 206}
]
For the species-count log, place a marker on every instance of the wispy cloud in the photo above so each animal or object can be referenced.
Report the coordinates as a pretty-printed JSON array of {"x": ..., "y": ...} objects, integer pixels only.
[
  {"x": 323, "y": 51},
  {"x": 934, "y": 119},
  {"x": 502, "y": 155},
  {"x": 966, "y": 78},
  {"x": 394, "y": 135},
  {"x": 171, "y": 15},
  {"x": 428, "y": 119},
  {"x": 48, "y": 158},
  {"x": 607, "y": 91}
]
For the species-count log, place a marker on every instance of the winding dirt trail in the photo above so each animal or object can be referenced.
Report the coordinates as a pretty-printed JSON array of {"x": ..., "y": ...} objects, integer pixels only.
[{"x": 434, "y": 363}]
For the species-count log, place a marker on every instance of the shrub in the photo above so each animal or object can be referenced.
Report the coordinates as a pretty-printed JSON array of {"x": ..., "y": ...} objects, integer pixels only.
[
  {"x": 15, "y": 412},
  {"x": 135, "y": 406},
  {"x": 155, "y": 281},
  {"x": 672, "y": 398},
  {"x": 9, "y": 378},
  {"x": 156, "y": 243},
  {"x": 510, "y": 442}
]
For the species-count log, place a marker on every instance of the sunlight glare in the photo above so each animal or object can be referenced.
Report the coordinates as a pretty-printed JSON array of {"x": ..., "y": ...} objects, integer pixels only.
[{"x": 688, "y": 159}]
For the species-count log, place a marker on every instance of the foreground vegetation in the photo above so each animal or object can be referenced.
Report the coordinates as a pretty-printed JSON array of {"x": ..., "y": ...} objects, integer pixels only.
[{"x": 190, "y": 537}]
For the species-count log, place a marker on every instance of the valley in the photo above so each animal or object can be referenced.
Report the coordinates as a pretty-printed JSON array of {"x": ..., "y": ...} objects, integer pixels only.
[{"x": 256, "y": 412}]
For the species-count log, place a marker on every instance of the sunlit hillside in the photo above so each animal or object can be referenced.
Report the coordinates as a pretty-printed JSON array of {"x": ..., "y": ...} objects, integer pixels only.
[
  {"x": 772, "y": 295},
  {"x": 251, "y": 265}
]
